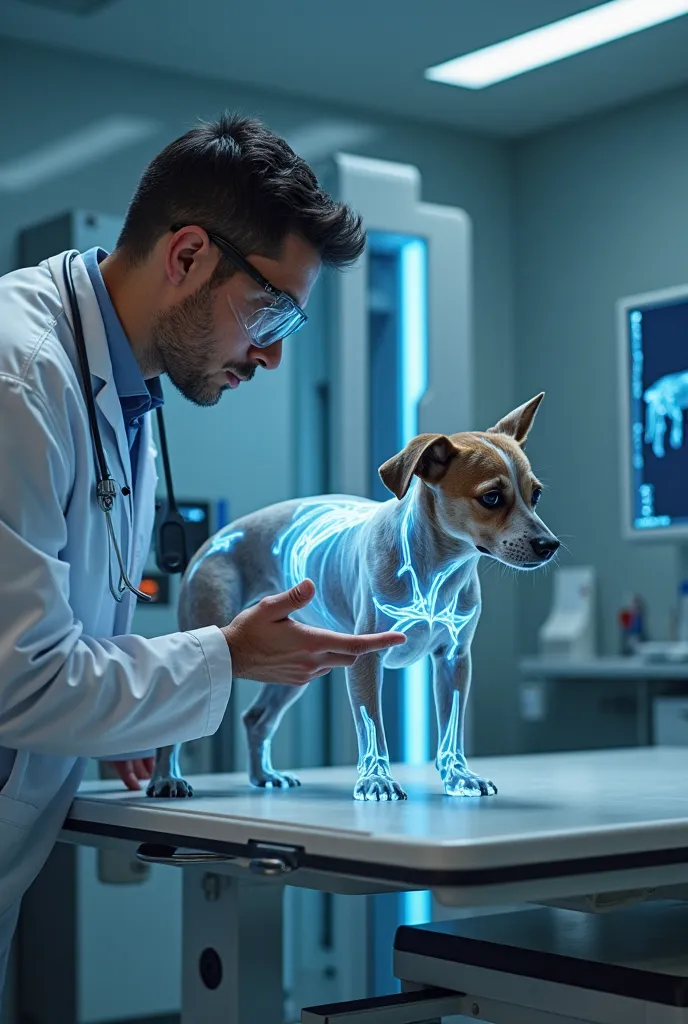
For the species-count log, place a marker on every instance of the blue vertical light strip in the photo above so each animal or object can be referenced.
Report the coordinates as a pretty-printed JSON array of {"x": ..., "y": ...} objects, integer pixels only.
[
  {"x": 222, "y": 513},
  {"x": 417, "y": 906},
  {"x": 414, "y": 384}
]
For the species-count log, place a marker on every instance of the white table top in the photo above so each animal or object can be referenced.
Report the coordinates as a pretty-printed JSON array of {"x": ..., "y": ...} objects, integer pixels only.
[{"x": 581, "y": 812}]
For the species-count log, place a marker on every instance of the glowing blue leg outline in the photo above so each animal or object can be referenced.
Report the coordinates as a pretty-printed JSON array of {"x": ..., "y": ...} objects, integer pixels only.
[
  {"x": 260, "y": 721},
  {"x": 375, "y": 781},
  {"x": 451, "y": 683}
]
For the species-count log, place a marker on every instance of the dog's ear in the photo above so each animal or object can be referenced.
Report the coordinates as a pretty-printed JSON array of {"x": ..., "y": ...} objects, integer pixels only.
[
  {"x": 517, "y": 424},
  {"x": 426, "y": 456}
]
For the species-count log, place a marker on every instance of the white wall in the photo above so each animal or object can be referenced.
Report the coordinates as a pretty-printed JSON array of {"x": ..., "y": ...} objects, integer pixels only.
[{"x": 601, "y": 212}]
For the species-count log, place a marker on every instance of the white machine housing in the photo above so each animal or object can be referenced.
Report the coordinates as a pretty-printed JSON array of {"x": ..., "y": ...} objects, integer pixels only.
[{"x": 570, "y": 628}]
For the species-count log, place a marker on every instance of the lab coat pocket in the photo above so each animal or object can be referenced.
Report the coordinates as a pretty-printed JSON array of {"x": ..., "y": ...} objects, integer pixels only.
[
  {"x": 16, "y": 819},
  {"x": 17, "y": 813}
]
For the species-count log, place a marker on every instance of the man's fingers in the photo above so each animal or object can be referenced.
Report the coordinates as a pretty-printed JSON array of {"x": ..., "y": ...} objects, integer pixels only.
[
  {"x": 127, "y": 774},
  {"x": 366, "y": 643},
  {"x": 342, "y": 660},
  {"x": 141, "y": 769},
  {"x": 282, "y": 605},
  {"x": 327, "y": 662}
]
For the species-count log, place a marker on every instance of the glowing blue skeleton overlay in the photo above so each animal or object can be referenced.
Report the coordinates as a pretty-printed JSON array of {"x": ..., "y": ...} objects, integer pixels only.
[
  {"x": 317, "y": 523},
  {"x": 423, "y": 609},
  {"x": 447, "y": 753},
  {"x": 370, "y": 762},
  {"x": 223, "y": 541}
]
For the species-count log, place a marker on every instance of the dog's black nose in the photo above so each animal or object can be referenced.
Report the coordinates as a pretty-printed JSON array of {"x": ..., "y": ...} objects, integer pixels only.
[{"x": 544, "y": 547}]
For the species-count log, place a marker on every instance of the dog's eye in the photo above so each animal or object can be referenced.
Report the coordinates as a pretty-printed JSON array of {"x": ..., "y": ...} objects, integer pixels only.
[
  {"x": 536, "y": 495},
  {"x": 493, "y": 499}
]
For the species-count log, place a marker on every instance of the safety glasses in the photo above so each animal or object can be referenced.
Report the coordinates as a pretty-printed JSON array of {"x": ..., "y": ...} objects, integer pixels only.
[{"x": 277, "y": 316}]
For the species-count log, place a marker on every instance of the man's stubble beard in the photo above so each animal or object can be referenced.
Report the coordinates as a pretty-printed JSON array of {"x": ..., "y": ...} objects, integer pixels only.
[{"x": 182, "y": 345}]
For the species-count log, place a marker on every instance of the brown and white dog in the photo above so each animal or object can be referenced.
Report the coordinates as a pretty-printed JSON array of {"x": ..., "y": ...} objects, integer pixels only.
[{"x": 408, "y": 564}]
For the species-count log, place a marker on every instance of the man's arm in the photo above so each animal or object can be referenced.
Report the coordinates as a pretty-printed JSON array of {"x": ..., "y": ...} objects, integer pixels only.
[{"x": 61, "y": 691}]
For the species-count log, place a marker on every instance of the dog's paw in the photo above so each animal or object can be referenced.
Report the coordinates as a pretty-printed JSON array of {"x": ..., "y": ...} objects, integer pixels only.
[
  {"x": 461, "y": 781},
  {"x": 168, "y": 786},
  {"x": 378, "y": 787},
  {"x": 275, "y": 780}
]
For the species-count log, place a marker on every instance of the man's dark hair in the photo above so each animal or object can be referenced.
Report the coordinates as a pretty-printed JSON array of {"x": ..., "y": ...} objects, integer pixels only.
[{"x": 238, "y": 179}]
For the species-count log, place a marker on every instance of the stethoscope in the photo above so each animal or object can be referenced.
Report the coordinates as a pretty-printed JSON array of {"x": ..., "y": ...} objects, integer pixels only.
[{"x": 170, "y": 535}]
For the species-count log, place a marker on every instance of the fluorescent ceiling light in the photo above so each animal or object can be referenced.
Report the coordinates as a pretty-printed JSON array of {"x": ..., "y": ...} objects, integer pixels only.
[
  {"x": 73, "y": 151},
  {"x": 556, "y": 41}
]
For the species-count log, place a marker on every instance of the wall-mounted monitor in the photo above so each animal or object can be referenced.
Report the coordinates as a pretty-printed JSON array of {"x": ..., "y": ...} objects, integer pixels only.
[{"x": 653, "y": 344}]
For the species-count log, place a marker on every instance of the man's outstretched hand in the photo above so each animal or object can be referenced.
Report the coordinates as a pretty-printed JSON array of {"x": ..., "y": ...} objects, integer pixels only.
[{"x": 268, "y": 646}]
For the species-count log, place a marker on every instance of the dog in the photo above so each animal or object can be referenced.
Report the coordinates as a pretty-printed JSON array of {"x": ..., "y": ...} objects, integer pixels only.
[{"x": 409, "y": 564}]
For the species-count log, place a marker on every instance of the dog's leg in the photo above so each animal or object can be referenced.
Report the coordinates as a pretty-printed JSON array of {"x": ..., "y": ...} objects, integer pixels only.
[
  {"x": 364, "y": 682},
  {"x": 166, "y": 779},
  {"x": 452, "y": 680},
  {"x": 212, "y": 600},
  {"x": 261, "y": 720}
]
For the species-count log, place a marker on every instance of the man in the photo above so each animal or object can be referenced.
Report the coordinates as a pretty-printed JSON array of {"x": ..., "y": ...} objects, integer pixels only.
[{"x": 221, "y": 246}]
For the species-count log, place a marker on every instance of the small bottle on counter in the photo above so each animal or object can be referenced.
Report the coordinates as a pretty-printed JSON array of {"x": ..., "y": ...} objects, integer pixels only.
[
  {"x": 632, "y": 624},
  {"x": 626, "y": 624}
]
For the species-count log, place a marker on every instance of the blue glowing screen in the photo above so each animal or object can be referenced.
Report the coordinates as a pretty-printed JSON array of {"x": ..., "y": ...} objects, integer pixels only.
[
  {"x": 658, "y": 386},
  {"x": 193, "y": 513}
]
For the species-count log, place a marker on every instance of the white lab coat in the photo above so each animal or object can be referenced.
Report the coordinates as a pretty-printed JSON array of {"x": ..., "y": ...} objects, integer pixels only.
[{"x": 73, "y": 683}]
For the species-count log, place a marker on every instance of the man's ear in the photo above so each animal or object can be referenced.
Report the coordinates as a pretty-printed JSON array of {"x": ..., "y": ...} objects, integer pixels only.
[
  {"x": 426, "y": 456},
  {"x": 517, "y": 424}
]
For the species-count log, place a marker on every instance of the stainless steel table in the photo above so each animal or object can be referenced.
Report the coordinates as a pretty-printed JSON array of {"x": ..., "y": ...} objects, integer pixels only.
[{"x": 563, "y": 826}]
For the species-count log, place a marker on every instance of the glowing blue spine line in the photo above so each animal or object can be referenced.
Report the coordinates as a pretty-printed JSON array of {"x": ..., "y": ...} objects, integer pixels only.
[
  {"x": 315, "y": 524},
  {"x": 221, "y": 542}
]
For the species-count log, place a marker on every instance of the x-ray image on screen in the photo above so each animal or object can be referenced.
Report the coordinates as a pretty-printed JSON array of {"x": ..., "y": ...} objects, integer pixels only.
[
  {"x": 665, "y": 400},
  {"x": 658, "y": 337}
]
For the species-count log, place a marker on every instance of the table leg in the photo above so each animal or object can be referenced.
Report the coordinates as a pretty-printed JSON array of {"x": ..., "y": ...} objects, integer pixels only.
[{"x": 231, "y": 950}]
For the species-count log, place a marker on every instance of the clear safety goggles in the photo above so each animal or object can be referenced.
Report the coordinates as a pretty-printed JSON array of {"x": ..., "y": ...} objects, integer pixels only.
[{"x": 277, "y": 317}]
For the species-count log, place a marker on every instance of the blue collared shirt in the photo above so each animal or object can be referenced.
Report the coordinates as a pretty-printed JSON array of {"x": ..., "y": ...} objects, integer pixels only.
[{"x": 137, "y": 396}]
